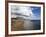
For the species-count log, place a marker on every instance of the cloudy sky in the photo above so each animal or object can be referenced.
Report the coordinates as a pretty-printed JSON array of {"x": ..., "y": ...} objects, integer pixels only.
[{"x": 31, "y": 11}]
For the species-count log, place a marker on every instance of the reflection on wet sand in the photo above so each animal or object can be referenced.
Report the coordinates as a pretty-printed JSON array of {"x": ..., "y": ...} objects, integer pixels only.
[{"x": 24, "y": 24}]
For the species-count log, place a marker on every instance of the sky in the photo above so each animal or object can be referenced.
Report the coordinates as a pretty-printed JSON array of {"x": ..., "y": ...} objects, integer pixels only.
[
  {"x": 32, "y": 11},
  {"x": 37, "y": 12}
]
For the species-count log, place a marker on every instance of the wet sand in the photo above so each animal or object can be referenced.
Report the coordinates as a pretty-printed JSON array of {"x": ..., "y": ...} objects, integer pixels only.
[{"x": 25, "y": 25}]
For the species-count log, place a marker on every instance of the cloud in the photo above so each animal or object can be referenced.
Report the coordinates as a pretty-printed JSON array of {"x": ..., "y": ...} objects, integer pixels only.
[{"x": 25, "y": 10}]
